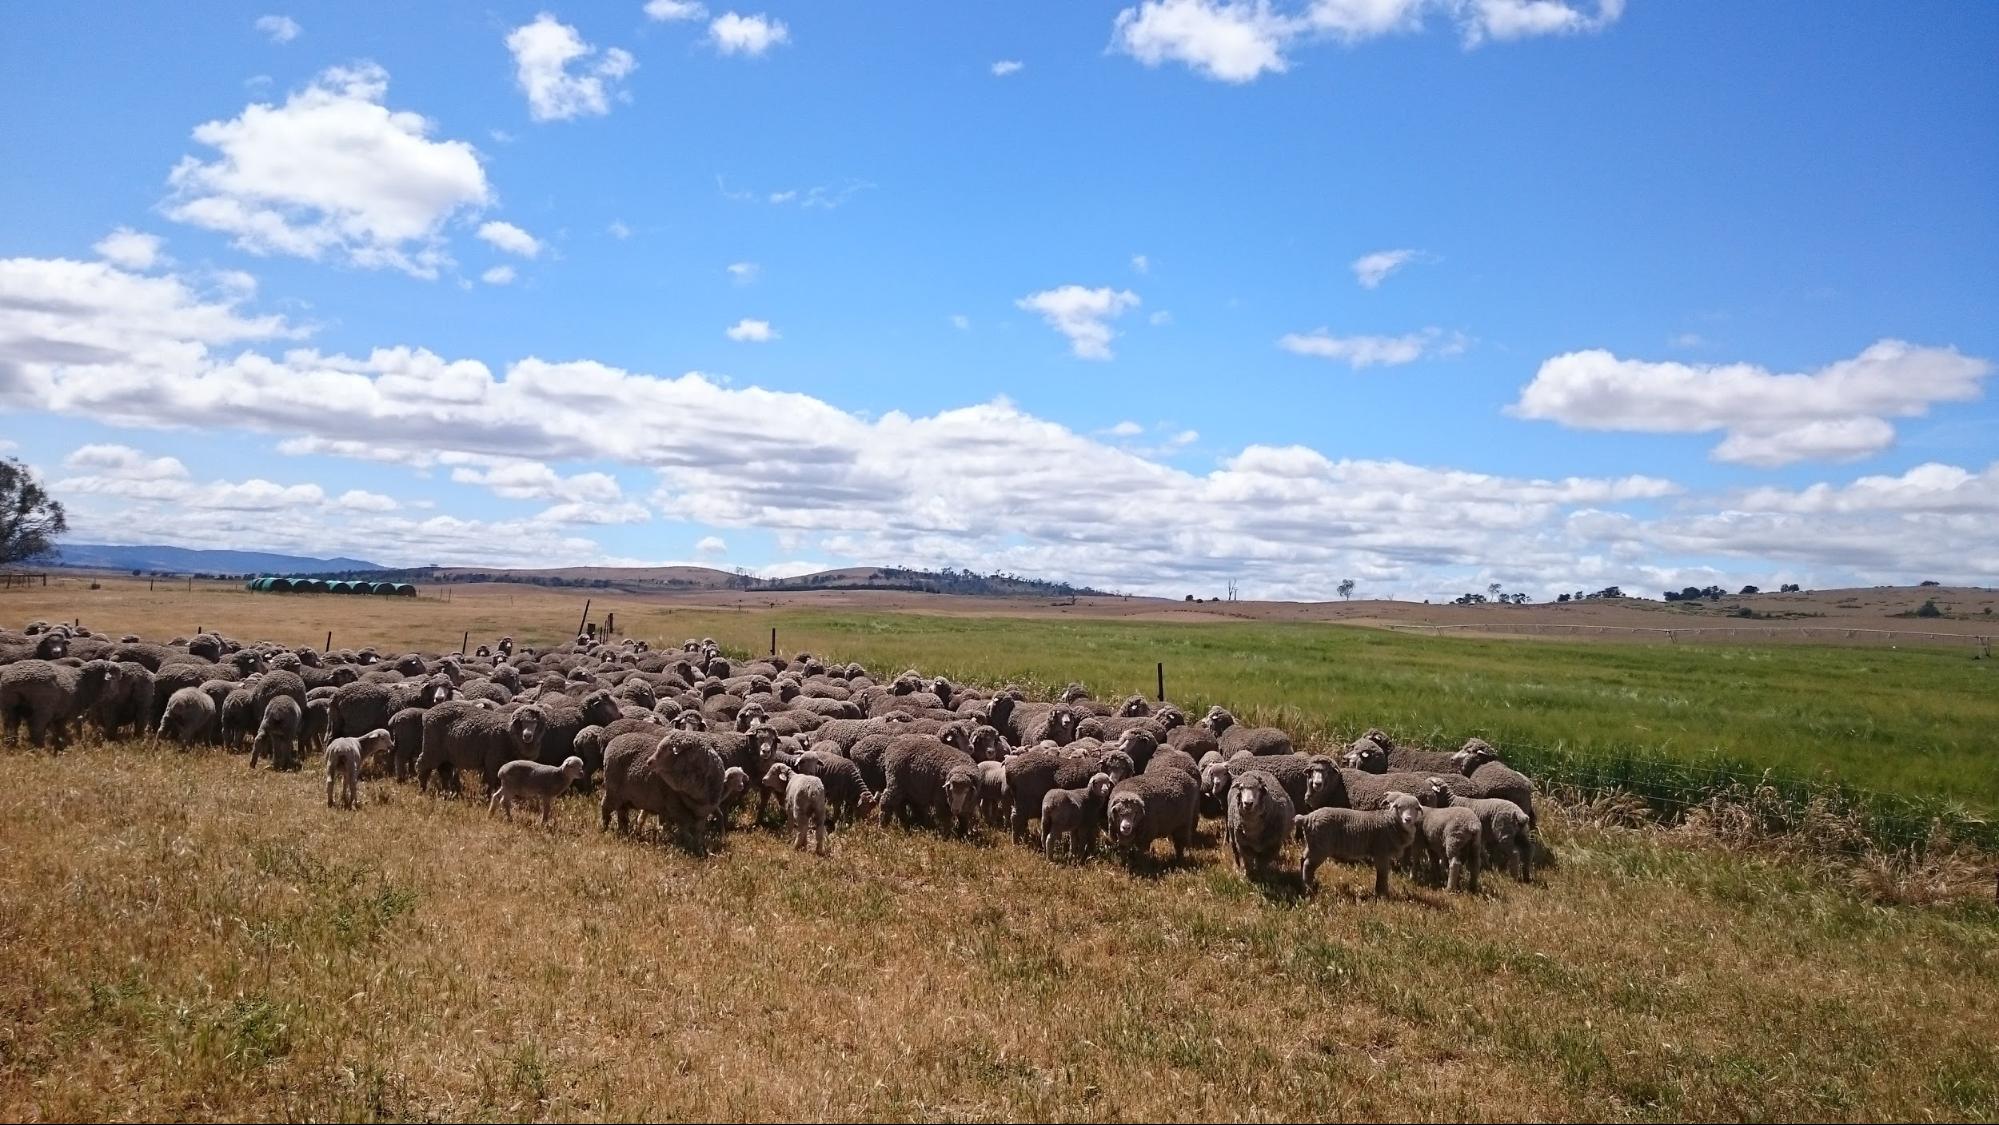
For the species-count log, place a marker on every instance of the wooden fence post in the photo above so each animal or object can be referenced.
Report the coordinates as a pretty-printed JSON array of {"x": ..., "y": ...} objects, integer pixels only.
[
  {"x": 586, "y": 617},
  {"x": 463, "y": 641},
  {"x": 329, "y": 641},
  {"x": 773, "y": 640},
  {"x": 1162, "y": 681}
]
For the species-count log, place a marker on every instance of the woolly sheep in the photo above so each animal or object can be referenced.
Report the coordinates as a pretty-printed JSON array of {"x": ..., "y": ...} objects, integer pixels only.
[
  {"x": 1455, "y": 843},
  {"x": 522, "y": 779},
  {"x": 343, "y": 764},
  {"x": 278, "y": 733},
  {"x": 1231, "y": 737},
  {"x": 1259, "y": 817},
  {"x": 189, "y": 714},
  {"x": 805, "y": 805},
  {"x": 1075, "y": 816},
  {"x": 1147, "y": 806},
  {"x": 1504, "y": 827}
]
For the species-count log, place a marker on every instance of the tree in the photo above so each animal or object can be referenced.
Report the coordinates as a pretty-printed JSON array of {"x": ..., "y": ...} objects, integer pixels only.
[
  {"x": 1492, "y": 591},
  {"x": 1747, "y": 590},
  {"x": 29, "y": 520},
  {"x": 1346, "y": 589},
  {"x": 1562, "y": 598},
  {"x": 1929, "y": 609}
]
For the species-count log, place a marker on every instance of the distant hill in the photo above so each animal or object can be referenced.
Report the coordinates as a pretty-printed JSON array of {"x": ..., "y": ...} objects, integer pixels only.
[
  {"x": 947, "y": 581},
  {"x": 181, "y": 560}
]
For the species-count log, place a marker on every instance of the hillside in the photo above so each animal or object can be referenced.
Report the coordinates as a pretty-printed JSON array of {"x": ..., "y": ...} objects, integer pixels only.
[
  {"x": 700, "y": 578},
  {"x": 182, "y": 560}
]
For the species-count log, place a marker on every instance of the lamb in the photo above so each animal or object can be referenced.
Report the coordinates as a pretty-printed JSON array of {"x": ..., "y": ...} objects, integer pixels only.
[
  {"x": 992, "y": 793},
  {"x": 1144, "y": 807},
  {"x": 277, "y": 734},
  {"x": 343, "y": 764},
  {"x": 1504, "y": 828},
  {"x": 1455, "y": 841},
  {"x": 1032, "y": 773},
  {"x": 805, "y": 806},
  {"x": 735, "y": 783},
  {"x": 1260, "y": 816},
  {"x": 189, "y": 714},
  {"x": 846, "y": 792},
  {"x": 1379, "y": 836},
  {"x": 1232, "y": 738},
  {"x": 521, "y": 779},
  {"x": 1075, "y": 815}
]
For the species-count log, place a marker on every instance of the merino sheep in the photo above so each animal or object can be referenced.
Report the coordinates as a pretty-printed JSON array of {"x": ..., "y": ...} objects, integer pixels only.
[
  {"x": 523, "y": 778},
  {"x": 1378, "y": 836},
  {"x": 846, "y": 791},
  {"x": 1075, "y": 816},
  {"x": 805, "y": 805},
  {"x": 1144, "y": 807},
  {"x": 189, "y": 714},
  {"x": 1503, "y": 825},
  {"x": 49, "y": 696},
  {"x": 923, "y": 775},
  {"x": 1260, "y": 816},
  {"x": 343, "y": 764},
  {"x": 677, "y": 777},
  {"x": 1032, "y": 773},
  {"x": 1231, "y": 738},
  {"x": 1486, "y": 776},
  {"x": 278, "y": 733},
  {"x": 1455, "y": 843}
]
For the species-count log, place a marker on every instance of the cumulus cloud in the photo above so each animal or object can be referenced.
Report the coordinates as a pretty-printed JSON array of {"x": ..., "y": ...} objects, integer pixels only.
[
  {"x": 619, "y": 230},
  {"x": 1839, "y": 412},
  {"x": 711, "y": 547},
  {"x": 1239, "y": 41},
  {"x": 1373, "y": 269},
  {"x": 562, "y": 76},
  {"x": 331, "y": 173},
  {"x": 1360, "y": 352},
  {"x": 1083, "y": 315},
  {"x": 747, "y": 331},
  {"x": 510, "y": 238},
  {"x": 735, "y": 34},
  {"x": 1126, "y": 428},
  {"x": 281, "y": 29},
  {"x": 498, "y": 275},
  {"x": 129, "y": 249},
  {"x": 742, "y": 273},
  {"x": 668, "y": 10},
  {"x": 122, "y": 462},
  {"x": 988, "y": 484},
  {"x": 359, "y": 500},
  {"x": 1005, "y": 67}
]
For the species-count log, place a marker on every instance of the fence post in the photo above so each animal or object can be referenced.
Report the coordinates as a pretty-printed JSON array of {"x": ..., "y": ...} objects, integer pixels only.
[
  {"x": 586, "y": 617},
  {"x": 1162, "y": 681},
  {"x": 610, "y": 624},
  {"x": 463, "y": 641},
  {"x": 773, "y": 640},
  {"x": 329, "y": 641}
]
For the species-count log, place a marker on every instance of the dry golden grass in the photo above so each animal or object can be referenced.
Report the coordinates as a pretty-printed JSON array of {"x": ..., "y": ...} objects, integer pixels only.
[{"x": 183, "y": 938}]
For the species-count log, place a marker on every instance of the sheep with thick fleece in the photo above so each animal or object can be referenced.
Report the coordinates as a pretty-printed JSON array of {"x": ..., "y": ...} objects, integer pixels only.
[
  {"x": 1075, "y": 816},
  {"x": 1486, "y": 776},
  {"x": 1455, "y": 843},
  {"x": 1260, "y": 816},
  {"x": 1377, "y": 836},
  {"x": 923, "y": 776},
  {"x": 805, "y": 806},
  {"x": 1032, "y": 773},
  {"x": 1231, "y": 737},
  {"x": 1165, "y": 802}
]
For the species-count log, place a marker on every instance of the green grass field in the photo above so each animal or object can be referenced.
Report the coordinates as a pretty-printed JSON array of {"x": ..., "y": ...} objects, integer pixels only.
[{"x": 1917, "y": 723}]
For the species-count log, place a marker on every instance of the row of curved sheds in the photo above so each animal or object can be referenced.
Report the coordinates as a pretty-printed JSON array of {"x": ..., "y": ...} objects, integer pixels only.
[{"x": 322, "y": 586}]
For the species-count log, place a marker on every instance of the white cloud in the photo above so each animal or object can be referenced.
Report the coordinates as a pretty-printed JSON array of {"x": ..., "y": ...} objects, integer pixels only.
[
  {"x": 510, "y": 238},
  {"x": 1083, "y": 315},
  {"x": 711, "y": 547},
  {"x": 357, "y": 500},
  {"x": 281, "y": 29},
  {"x": 1141, "y": 263},
  {"x": 1241, "y": 40},
  {"x": 1160, "y": 319},
  {"x": 961, "y": 322},
  {"x": 987, "y": 484},
  {"x": 668, "y": 10},
  {"x": 498, "y": 275},
  {"x": 334, "y": 172},
  {"x": 129, "y": 249},
  {"x": 1688, "y": 341},
  {"x": 751, "y": 331},
  {"x": 734, "y": 34},
  {"x": 543, "y": 53},
  {"x": 1126, "y": 428},
  {"x": 1005, "y": 67},
  {"x": 1229, "y": 41},
  {"x": 1373, "y": 269},
  {"x": 8, "y": 446},
  {"x": 742, "y": 273},
  {"x": 619, "y": 230},
  {"x": 122, "y": 462},
  {"x": 1358, "y": 352},
  {"x": 1522, "y": 19},
  {"x": 1838, "y": 412}
]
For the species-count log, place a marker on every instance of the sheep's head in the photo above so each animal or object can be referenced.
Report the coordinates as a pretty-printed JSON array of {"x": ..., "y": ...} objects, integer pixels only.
[
  {"x": 376, "y": 743},
  {"x": 601, "y": 707},
  {"x": 751, "y": 715},
  {"x": 1118, "y": 764},
  {"x": 1100, "y": 786},
  {"x": 1138, "y": 742},
  {"x": 52, "y": 646},
  {"x": 909, "y": 683},
  {"x": 777, "y": 777},
  {"x": 527, "y": 726},
  {"x": 1475, "y": 753},
  {"x": 572, "y": 767},
  {"x": 961, "y": 789},
  {"x": 1219, "y": 720},
  {"x": 764, "y": 741},
  {"x": 1376, "y": 734},
  {"x": 986, "y": 744},
  {"x": 735, "y": 781},
  {"x": 1366, "y": 755},
  {"x": 1437, "y": 794},
  {"x": 1215, "y": 781},
  {"x": 1324, "y": 787},
  {"x": 690, "y": 720},
  {"x": 941, "y": 688},
  {"x": 1133, "y": 707},
  {"x": 1062, "y": 725},
  {"x": 1403, "y": 810},
  {"x": 997, "y": 710},
  {"x": 957, "y": 734},
  {"x": 1075, "y": 693},
  {"x": 1249, "y": 797},
  {"x": 1126, "y": 816},
  {"x": 1170, "y": 717}
]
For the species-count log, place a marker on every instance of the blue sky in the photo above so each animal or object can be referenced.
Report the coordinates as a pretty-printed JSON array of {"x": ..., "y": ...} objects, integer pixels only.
[{"x": 1427, "y": 293}]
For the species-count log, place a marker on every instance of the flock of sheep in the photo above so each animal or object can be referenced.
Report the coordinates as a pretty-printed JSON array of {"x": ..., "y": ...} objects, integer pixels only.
[{"x": 686, "y": 736}]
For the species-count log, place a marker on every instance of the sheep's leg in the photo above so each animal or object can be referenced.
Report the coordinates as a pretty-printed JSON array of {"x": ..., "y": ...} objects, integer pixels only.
[
  {"x": 1381, "y": 877},
  {"x": 493, "y": 805}
]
